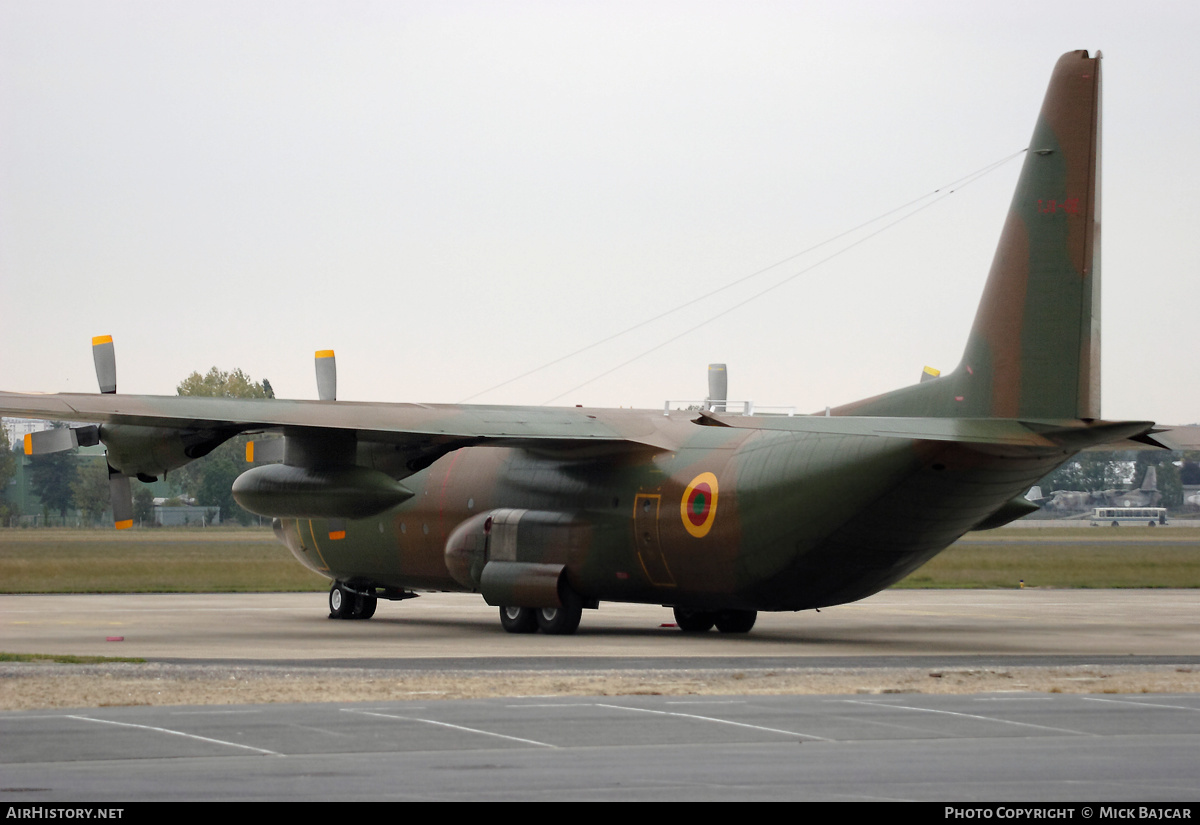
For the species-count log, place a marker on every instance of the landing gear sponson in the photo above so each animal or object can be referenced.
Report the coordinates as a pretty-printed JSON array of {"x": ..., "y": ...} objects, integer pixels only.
[{"x": 562, "y": 621}]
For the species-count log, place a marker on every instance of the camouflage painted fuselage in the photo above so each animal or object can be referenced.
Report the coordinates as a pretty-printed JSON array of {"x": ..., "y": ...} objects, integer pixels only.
[{"x": 794, "y": 520}]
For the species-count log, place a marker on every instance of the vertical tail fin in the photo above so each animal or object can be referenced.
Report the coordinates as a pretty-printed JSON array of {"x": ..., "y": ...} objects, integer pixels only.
[{"x": 1034, "y": 349}]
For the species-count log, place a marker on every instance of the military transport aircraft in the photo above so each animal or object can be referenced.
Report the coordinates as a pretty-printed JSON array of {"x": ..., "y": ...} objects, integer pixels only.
[{"x": 547, "y": 511}]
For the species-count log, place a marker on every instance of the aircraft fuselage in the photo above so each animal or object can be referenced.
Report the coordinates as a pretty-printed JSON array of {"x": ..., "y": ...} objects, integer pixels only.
[{"x": 741, "y": 519}]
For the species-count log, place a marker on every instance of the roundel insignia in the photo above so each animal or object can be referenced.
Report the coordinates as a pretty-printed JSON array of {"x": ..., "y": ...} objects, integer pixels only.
[{"x": 698, "y": 507}]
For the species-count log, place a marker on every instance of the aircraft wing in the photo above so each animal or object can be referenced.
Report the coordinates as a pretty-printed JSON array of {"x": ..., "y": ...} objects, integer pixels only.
[
  {"x": 146, "y": 436},
  {"x": 382, "y": 422},
  {"x": 451, "y": 425}
]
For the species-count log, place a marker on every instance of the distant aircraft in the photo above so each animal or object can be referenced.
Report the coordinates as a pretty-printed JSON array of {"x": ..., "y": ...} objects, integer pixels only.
[
  {"x": 548, "y": 511},
  {"x": 1145, "y": 496},
  {"x": 1068, "y": 500}
]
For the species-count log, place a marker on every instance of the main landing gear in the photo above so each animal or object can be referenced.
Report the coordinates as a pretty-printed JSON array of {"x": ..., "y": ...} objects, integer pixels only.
[
  {"x": 727, "y": 621},
  {"x": 347, "y": 604},
  {"x": 553, "y": 621}
]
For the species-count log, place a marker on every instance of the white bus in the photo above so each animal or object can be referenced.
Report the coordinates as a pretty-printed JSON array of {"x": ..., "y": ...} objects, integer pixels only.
[{"x": 1118, "y": 515}]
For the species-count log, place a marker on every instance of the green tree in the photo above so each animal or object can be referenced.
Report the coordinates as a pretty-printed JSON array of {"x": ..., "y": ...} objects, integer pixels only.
[
  {"x": 1087, "y": 472},
  {"x": 1190, "y": 472},
  {"x": 143, "y": 504},
  {"x": 89, "y": 489},
  {"x": 220, "y": 384},
  {"x": 8, "y": 469},
  {"x": 209, "y": 480}
]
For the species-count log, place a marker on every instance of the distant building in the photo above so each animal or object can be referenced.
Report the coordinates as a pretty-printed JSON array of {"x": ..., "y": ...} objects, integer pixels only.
[
  {"x": 184, "y": 515},
  {"x": 18, "y": 428}
]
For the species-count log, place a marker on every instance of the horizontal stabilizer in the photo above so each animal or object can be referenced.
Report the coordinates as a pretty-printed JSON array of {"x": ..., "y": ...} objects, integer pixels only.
[
  {"x": 1068, "y": 434},
  {"x": 1173, "y": 438}
]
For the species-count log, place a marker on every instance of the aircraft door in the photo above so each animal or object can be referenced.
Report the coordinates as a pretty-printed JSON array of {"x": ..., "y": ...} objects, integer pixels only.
[{"x": 646, "y": 540}]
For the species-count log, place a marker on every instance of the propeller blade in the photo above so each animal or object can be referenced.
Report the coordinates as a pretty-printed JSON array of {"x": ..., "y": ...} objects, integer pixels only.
[
  {"x": 326, "y": 375},
  {"x": 106, "y": 363},
  {"x": 60, "y": 439},
  {"x": 50, "y": 441},
  {"x": 718, "y": 387},
  {"x": 122, "y": 499},
  {"x": 264, "y": 451}
]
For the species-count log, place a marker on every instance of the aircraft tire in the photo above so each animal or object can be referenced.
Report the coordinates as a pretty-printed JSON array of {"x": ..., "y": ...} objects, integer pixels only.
[
  {"x": 341, "y": 602},
  {"x": 694, "y": 621},
  {"x": 559, "y": 621},
  {"x": 736, "y": 621},
  {"x": 365, "y": 607},
  {"x": 519, "y": 619}
]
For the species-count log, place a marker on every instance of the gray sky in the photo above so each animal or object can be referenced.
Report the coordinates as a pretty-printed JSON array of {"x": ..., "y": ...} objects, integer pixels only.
[{"x": 450, "y": 194}]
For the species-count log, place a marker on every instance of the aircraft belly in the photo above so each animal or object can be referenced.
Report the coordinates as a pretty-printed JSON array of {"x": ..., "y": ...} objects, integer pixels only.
[
  {"x": 946, "y": 490},
  {"x": 793, "y": 491}
]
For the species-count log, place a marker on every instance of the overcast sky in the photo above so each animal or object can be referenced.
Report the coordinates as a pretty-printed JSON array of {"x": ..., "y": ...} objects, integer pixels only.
[{"x": 451, "y": 194}]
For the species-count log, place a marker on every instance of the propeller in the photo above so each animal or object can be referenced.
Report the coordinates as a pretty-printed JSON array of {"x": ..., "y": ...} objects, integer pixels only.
[
  {"x": 60, "y": 439},
  {"x": 119, "y": 492},
  {"x": 106, "y": 363},
  {"x": 68, "y": 438},
  {"x": 270, "y": 450},
  {"x": 718, "y": 388},
  {"x": 326, "y": 375},
  {"x": 264, "y": 451}
]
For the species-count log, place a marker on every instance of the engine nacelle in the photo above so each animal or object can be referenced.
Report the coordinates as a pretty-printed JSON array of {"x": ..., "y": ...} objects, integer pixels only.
[
  {"x": 151, "y": 451},
  {"x": 516, "y": 558}
]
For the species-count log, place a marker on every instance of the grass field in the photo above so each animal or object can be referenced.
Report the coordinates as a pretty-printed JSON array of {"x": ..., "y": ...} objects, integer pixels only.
[
  {"x": 1067, "y": 557},
  {"x": 164, "y": 560},
  {"x": 178, "y": 560}
]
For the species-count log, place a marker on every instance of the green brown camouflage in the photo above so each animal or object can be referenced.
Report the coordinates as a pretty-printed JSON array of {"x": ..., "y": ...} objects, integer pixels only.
[{"x": 716, "y": 515}]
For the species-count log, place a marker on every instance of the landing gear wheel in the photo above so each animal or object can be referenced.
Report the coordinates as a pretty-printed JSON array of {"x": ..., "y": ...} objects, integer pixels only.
[
  {"x": 365, "y": 607},
  {"x": 559, "y": 621},
  {"x": 519, "y": 619},
  {"x": 736, "y": 621},
  {"x": 694, "y": 621},
  {"x": 341, "y": 602}
]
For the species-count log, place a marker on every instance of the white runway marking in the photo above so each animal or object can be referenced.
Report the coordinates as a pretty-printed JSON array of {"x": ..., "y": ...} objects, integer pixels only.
[{"x": 175, "y": 733}]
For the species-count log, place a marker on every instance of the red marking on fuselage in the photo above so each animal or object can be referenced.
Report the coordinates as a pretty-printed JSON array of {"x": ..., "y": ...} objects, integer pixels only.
[{"x": 697, "y": 515}]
